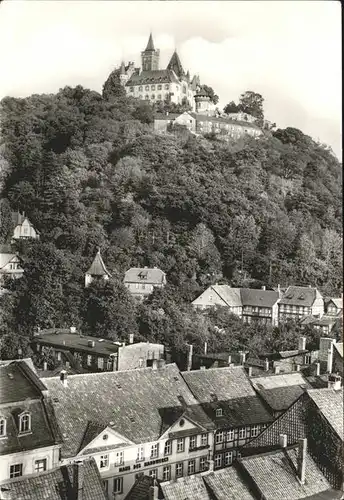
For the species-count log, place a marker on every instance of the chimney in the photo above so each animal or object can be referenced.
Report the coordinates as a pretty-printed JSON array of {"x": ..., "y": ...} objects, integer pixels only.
[
  {"x": 334, "y": 382},
  {"x": 202, "y": 367},
  {"x": 72, "y": 329},
  {"x": 317, "y": 367},
  {"x": 45, "y": 366},
  {"x": 266, "y": 365},
  {"x": 67, "y": 365},
  {"x": 229, "y": 360},
  {"x": 211, "y": 465},
  {"x": 330, "y": 358},
  {"x": 283, "y": 439},
  {"x": 302, "y": 343},
  {"x": 63, "y": 377},
  {"x": 301, "y": 460},
  {"x": 263, "y": 287},
  {"x": 91, "y": 343},
  {"x": 242, "y": 357},
  {"x": 131, "y": 338},
  {"x": 189, "y": 365},
  {"x": 205, "y": 347},
  {"x": 297, "y": 368},
  {"x": 79, "y": 479},
  {"x": 250, "y": 371},
  {"x": 276, "y": 369}
]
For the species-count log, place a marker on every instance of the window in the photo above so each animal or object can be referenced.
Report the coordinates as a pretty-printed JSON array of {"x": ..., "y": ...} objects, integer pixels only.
[
  {"x": 105, "y": 483},
  {"x": 179, "y": 469},
  {"x": 2, "y": 427},
  {"x": 147, "y": 99},
  {"x": 140, "y": 454},
  {"x": 254, "y": 430},
  {"x": 104, "y": 461},
  {"x": 16, "y": 470},
  {"x": 100, "y": 363},
  {"x": 191, "y": 467},
  {"x": 118, "y": 485},
  {"x": 230, "y": 435},
  {"x": 119, "y": 458},
  {"x": 228, "y": 457},
  {"x": 41, "y": 465},
  {"x": 203, "y": 464},
  {"x": 180, "y": 445},
  {"x": 193, "y": 442},
  {"x": 25, "y": 423},
  {"x": 168, "y": 448},
  {"x": 153, "y": 473},
  {"x": 153, "y": 96},
  {"x": 219, "y": 437},
  {"x": 152, "y": 87},
  {"x": 154, "y": 450},
  {"x": 219, "y": 412},
  {"x": 131, "y": 89},
  {"x": 218, "y": 461},
  {"x": 159, "y": 87},
  {"x": 204, "y": 439},
  {"x": 140, "y": 88},
  {"x": 166, "y": 473},
  {"x": 159, "y": 97},
  {"x": 167, "y": 86},
  {"x": 89, "y": 360},
  {"x": 147, "y": 87},
  {"x": 242, "y": 433}
]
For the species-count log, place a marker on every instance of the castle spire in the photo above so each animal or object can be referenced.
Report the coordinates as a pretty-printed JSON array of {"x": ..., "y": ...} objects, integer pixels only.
[
  {"x": 122, "y": 69},
  {"x": 176, "y": 65},
  {"x": 150, "y": 44}
]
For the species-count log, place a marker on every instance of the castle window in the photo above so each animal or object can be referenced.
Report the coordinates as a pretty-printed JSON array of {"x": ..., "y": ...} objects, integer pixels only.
[
  {"x": 167, "y": 86},
  {"x": 140, "y": 88},
  {"x": 147, "y": 87},
  {"x": 159, "y": 87},
  {"x": 25, "y": 423},
  {"x": 152, "y": 87},
  {"x": 2, "y": 427}
]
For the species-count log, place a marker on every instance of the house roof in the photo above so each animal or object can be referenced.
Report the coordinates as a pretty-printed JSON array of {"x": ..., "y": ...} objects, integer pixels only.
[
  {"x": 97, "y": 267},
  {"x": 219, "y": 119},
  {"x": 280, "y": 398},
  {"x": 28, "y": 361},
  {"x": 128, "y": 401},
  {"x": 141, "y": 489},
  {"x": 194, "y": 413},
  {"x": 248, "y": 410},
  {"x": 6, "y": 258},
  {"x": 144, "y": 275},
  {"x": 153, "y": 77},
  {"x": 165, "y": 117},
  {"x": 339, "y": 348},
  {"x": 186, "y": 488},
  {"x": 275, "y": 475},
  {"x": 63, "y": 339},
  {"x": 338, "y": 302},
  {"x": 226, "y": 484},
  {"x": 330, "y": 403},
  {"x": 277, "y": 381},
  {"x": 323, "y": 321},
  {"x": 175, "y": 65},
  {"x": 19, "y": 383},
  {"x": 224, "y": 383},
  {"x": 300, "y": 296},
  {"x": 59, "y": 483},
  {"x": 258, "y": 297},
  {"x": 230, "y": 295}
]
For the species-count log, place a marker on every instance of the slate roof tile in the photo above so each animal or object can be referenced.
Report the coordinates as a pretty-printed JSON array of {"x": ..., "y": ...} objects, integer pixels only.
[
  {"x": 301, "y": 296},
  {"x": 186, "y": 488},
  {"x": 226, "y": 484},
  {"x": 330, "y": 403}
]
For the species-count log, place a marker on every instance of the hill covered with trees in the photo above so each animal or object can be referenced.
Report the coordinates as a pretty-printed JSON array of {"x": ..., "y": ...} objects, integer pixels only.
[{"x": 90, "y": 172}]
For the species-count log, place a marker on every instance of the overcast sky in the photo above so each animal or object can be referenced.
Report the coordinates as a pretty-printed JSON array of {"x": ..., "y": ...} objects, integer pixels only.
[{"x": 290, "y": 51}]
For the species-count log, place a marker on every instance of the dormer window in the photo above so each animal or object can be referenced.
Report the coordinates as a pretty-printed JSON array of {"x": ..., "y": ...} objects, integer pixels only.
[
  {"x": 25, "y": 423},
  {"x": 2, "y": 427},
  {"x": 219, "y": 412}
]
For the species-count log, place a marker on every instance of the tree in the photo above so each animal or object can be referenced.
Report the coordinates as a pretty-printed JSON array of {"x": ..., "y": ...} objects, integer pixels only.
[
  {"x": 112, "y": 88},
  {"x": 210, "y": 93},
  {"x": 252, "y": 104},
  {"x": 231, "y": 107}
]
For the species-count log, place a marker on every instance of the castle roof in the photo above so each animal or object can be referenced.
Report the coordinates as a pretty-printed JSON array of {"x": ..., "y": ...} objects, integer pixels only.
[
  {"x": 153, "y": 76},
  {"x": 122, "y": 68},
  {"x": 176, "y": 65},
  {"x": 97, "y": 267},
  {"x": 150, "y": 44}
]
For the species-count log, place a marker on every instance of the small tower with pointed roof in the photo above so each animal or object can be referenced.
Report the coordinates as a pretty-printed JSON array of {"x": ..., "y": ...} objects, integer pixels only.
[
  {"x": 150, "y": 56},
  {"x": 122, "y": 74},
  {"x": 202, "y": 101},
  {"x": 176, "y": 66},
  {"x": 97, "y": 270}
]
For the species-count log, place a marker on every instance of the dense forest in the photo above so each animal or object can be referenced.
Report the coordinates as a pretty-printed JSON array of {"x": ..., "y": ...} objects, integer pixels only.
[{"x": 89, "y": 172}]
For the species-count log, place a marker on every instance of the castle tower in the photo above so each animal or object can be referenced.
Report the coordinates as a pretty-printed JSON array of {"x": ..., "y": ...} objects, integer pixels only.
[
  {"x": 202, "y": 101},
  {"x": 150, "y": 56},
  {"x": 97, "y": 270},
  {"x": 176, "y": 65},
  {"x": 122, "y": 74}
]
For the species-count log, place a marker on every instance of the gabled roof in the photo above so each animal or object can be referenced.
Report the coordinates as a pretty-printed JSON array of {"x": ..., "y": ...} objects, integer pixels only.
[
  {"x": 19, "y": 383},
  {"x": 97, "y": 267},
  {"x": 275, "y": 475},
  {"x": 153, "y": 77},
  {"x": 129, "y": 402},
  {"x": 339, "y": 348},
  {"x": 226, "y": 484},
  {"x": 277, "y": 381},
  {"x": 300, "y": 296},
  {"x": 338, "y": 302},
  {"x": 224, "y": 383},
  {"x": 144, "y": 275},
  {"x": 59, "y": 483},
  {"x": 175, "y": 65},
  {"x": 230, "y": 295},
  {"x": 257, "y": 297},
  {"x": 6, "y": 258},
  {"x": 185, "y": 488},
  {"x": 330, "y": 403},
  {"x": 150, "y": 44},
  {"x": 141, "y": 489}
]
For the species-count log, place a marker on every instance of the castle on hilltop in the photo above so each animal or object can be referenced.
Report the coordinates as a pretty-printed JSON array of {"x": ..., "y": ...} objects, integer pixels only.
[{"x": 150, "y": 83}]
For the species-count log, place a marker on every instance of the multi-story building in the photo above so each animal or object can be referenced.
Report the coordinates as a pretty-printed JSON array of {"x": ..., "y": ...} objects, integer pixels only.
[
  {"x": 141, "y": 281},
  {"x": 10, "y": 263},
  {"x": 334, "y": 307},
  {"x": 94, "y": 354},
  {"x": 23, "y": 229},
  {"x": 299, "y": 301},
  {"x": 230, "y": 402},
  {"x": 143, "y": 421},
  {"x": 29, "y": 438},
  {"x": 251, "y": 305},
  {"x": 325, "y": 324}
]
